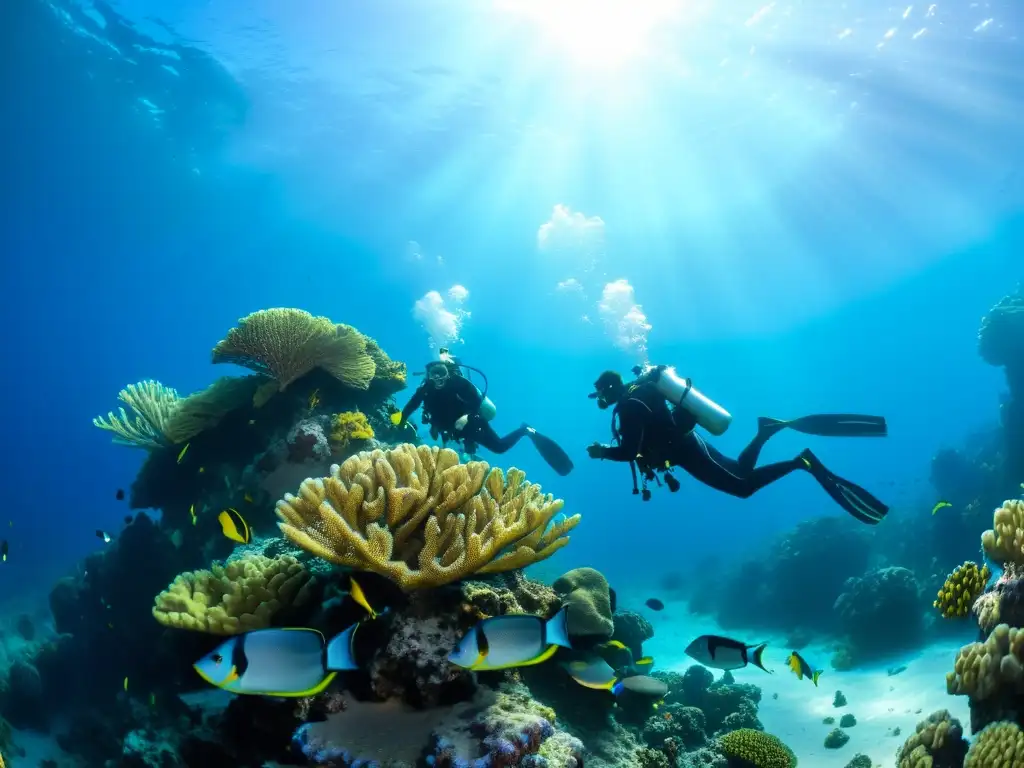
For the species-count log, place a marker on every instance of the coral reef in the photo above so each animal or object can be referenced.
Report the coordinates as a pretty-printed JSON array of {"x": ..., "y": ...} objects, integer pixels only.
[
  {"x": 836, "y": 739},
  {"x": 886, "y": 597},
  {"x": 747, "y": 748},
  {"x": 587, "y": 594},
  {"x": 1001, "y": 343},
  {"x": 726, "y": 704},
  {"x": 239, "y": 597},
  {"x": 961, "y": 588},
  {"x": 632, "y": 630},
  {"x": 1004, "y": 542},
  {"x": 422, "y": 519},
  {"x": 1004, "y": 602},
  {"x": 938, "y": 742}
]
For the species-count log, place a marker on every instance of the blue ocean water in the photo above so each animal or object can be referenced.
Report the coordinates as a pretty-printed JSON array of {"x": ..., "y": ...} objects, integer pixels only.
[{"x": 805, "y": 208}]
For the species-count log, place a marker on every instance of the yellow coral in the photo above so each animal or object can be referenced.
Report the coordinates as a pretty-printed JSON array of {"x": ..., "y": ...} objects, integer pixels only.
[
  {"x": 417, "y": 505},
  {"x": 204, "y": 409},
  {"x": 982, "y": 669},
  {"x": 349, "y": 426},
  {"x": 286, "y": 344},
  {"x": 932, "y": 736},
  {"x": 239, "y": 597},
  {"x": 1004, "y": 542},
  {"x": 998, "y": 745},
  {"x": 757, "y": 749},
  {"x": 961, "y": 589},
  {"x": 152, "y": 404}
]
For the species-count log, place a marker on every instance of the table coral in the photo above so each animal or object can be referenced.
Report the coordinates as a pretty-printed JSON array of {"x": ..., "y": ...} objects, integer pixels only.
[
  {"x": 417, "y": 516},
  {"x": 961, "y": 588},
  {"x": 938, "y": 742},
  {"x": 239, "y": 597}
]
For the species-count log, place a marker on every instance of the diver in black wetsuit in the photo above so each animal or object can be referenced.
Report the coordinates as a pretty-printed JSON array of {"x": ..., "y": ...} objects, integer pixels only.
[
  {"x": 654, "y": 438},
  {"x": 457, "y": 411}
]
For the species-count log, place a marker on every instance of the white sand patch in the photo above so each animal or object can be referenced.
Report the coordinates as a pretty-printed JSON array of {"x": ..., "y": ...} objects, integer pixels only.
[{"x": 793, "y": 709}]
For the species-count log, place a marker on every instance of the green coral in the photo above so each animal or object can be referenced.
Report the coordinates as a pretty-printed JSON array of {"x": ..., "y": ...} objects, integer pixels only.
[
  {"x": 748, "y": 748},
  {"x": 961, "y": 589}
]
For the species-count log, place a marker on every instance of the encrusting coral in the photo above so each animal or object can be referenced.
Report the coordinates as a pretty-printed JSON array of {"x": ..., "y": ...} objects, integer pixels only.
[
  {"x": 998, "y": 745},
  {"x": 388, "y": 512},
  {"x": 1004, "y": 542},
  {"x": 938, "y": 742},
  {"x": 239, "y": 597},
  {"x": 756, "y": 749},
  {"x": 961, "y": 589},
  {"x": 347, "y": 427},
  {"x": 152, "y": 406},
  {"x": 286, "y": 344}
]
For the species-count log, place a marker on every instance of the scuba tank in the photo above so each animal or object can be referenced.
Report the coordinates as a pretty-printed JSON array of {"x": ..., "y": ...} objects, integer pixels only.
[
  {"x": 681, "y": 392},
  {"x": 488, "y": 410}
]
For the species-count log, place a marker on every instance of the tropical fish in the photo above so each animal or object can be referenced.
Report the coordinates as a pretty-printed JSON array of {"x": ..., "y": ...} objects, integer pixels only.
[
  {"x": 940, "y": 505},
  {"x": 725, "y": 653},
  {"x": 641, "y": 685},
  {"x": 314, "y": 399},
  {"x": 278, "y": 662},
  {"x": 103, "y": 536},
  {"x": 184, "y": 450},
  {"x": 644, "y": 663},
  {"x": 396, "y": 418},
  {"x": 4, "y": 549},
  {"x": 802, "y": 669},
  {"x": 201, "y": 470},
  {"x": 592, "y": 672},
  {"x": 357, "y": 594},
  {"x": 192, "y": 513},
  {"x": 502, "y": 642},
  {"x": 247, "y": 498},
  {"x": 126, "y": 683},
  {"x": 655, "y": 604},
  {"x": 234, "y": 526},
  {"x": 120, "y": 494}
]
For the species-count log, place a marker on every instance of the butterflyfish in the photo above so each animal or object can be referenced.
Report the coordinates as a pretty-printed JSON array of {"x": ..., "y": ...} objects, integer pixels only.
[
  {"x": 503, "y": 642},
  {"x": 278, "y": 662},
  {"x": 940, "y": 505},
  {"x": 234, "y": 526},
  {"x": 725, "y": 653},
  {"x": 799, "y": 666},
  {"x": 181, "y": 454}
]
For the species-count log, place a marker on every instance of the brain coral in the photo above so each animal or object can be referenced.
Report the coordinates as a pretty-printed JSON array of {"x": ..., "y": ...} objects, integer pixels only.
[{"x": 747, "y": 748}]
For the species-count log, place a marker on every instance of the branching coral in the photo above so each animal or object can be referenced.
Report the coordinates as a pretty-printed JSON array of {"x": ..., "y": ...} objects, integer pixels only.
[
  {"x": 389, "y": 512},
  {"x": 983, "y": 669},
  {"x": 347, "y": 427},
  {"x": 938, "y": 742},
  {"x": 203, "y": 410},
  {"x": 961, "y": 589},
  {"x": 239, "y": 597},
  {"x": 1004, "y": 542},
  {"x": 998, "y": 745},
  {"x": 286, "y": 344},
  {"x": 152, "y": 406},
  {"x": 756, "y": 749}
]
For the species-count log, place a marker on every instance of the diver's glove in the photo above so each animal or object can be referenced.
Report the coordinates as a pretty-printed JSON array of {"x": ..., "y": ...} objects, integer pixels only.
[
  {"x": 596, "y": 450},
  {"x": 461, "y": 422},
  {"x": 396, "y": 418}
]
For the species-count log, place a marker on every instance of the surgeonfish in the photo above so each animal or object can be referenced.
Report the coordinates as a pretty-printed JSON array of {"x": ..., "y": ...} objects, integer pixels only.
[
  {"x": 278, "y": 662},
  {"x": 502, "y": 642},
  {"x": 592, "y": 672},
  {"x": 641, "y": 685},
  {"x": 725, "y": 653},
  {"x": 940, "y": 505},
  {"x": 802, "y": 669},
  {"x": 234, "y": 526},
  {"x": 181, "y": 455}
]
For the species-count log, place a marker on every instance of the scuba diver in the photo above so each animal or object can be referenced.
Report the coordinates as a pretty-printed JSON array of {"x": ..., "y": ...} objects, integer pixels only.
[
  {"x": 654, "y": 438},
  {"x": 457, "y": 411}
]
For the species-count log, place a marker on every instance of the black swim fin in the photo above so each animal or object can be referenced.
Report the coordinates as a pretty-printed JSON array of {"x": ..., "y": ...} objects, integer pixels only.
[
  {"x": 551, "y": 452},
  {"x": 850, "y": 496},
  {"x": 830, "y": 425}
]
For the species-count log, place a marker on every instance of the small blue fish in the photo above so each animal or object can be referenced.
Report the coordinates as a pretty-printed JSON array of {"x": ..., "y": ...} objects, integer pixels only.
[
  {"x": 502, "y": 642},
  {"x": 278, "y": 662}
]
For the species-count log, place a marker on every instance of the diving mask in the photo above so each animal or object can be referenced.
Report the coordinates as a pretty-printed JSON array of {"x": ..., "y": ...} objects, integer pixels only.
[{"x": 438, "y": 374}]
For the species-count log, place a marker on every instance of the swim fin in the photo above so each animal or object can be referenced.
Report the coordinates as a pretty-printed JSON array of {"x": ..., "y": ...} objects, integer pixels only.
[
  {"x": 850, "y": 496},
  {"x": 829, "y": 425},
  {"x": 551, "y": 452}
]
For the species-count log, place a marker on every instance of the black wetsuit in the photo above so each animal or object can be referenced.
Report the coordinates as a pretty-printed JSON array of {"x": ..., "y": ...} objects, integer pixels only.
[
  {"x": 442, "y": 407},
  {"x": 651, "y": 434}
]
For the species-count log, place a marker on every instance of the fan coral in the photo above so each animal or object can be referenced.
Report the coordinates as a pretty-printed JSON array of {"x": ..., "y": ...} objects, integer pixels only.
[
  {"x": 937, "y": 743},
  {"x": 239, "y": 597},
  {"x": 999, "y": 744},
  {"x": 389, "y": 511},
  {"x": 756, "y": 749},
  {"x": 1004, "y": 542},
  {"x": 286, "y": 344},
  {"x": 152, "y": 405},
  {"x": 347, "y": 427},
  {"x": 203, "y": 410},
  {"x": 961, "y": 589}
]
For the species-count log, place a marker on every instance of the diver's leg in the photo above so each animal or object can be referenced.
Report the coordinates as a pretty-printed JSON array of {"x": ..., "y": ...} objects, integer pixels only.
[
  {"x": 766, "y": 428},
  {"x": 484, "y": 434},
  {"x": 716, "y": 470}
]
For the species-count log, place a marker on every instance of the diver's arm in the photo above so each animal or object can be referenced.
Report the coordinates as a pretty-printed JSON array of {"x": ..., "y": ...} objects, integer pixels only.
[
  {"x": 414, "y": 402},
  {"x": 632, "y": 420}
]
